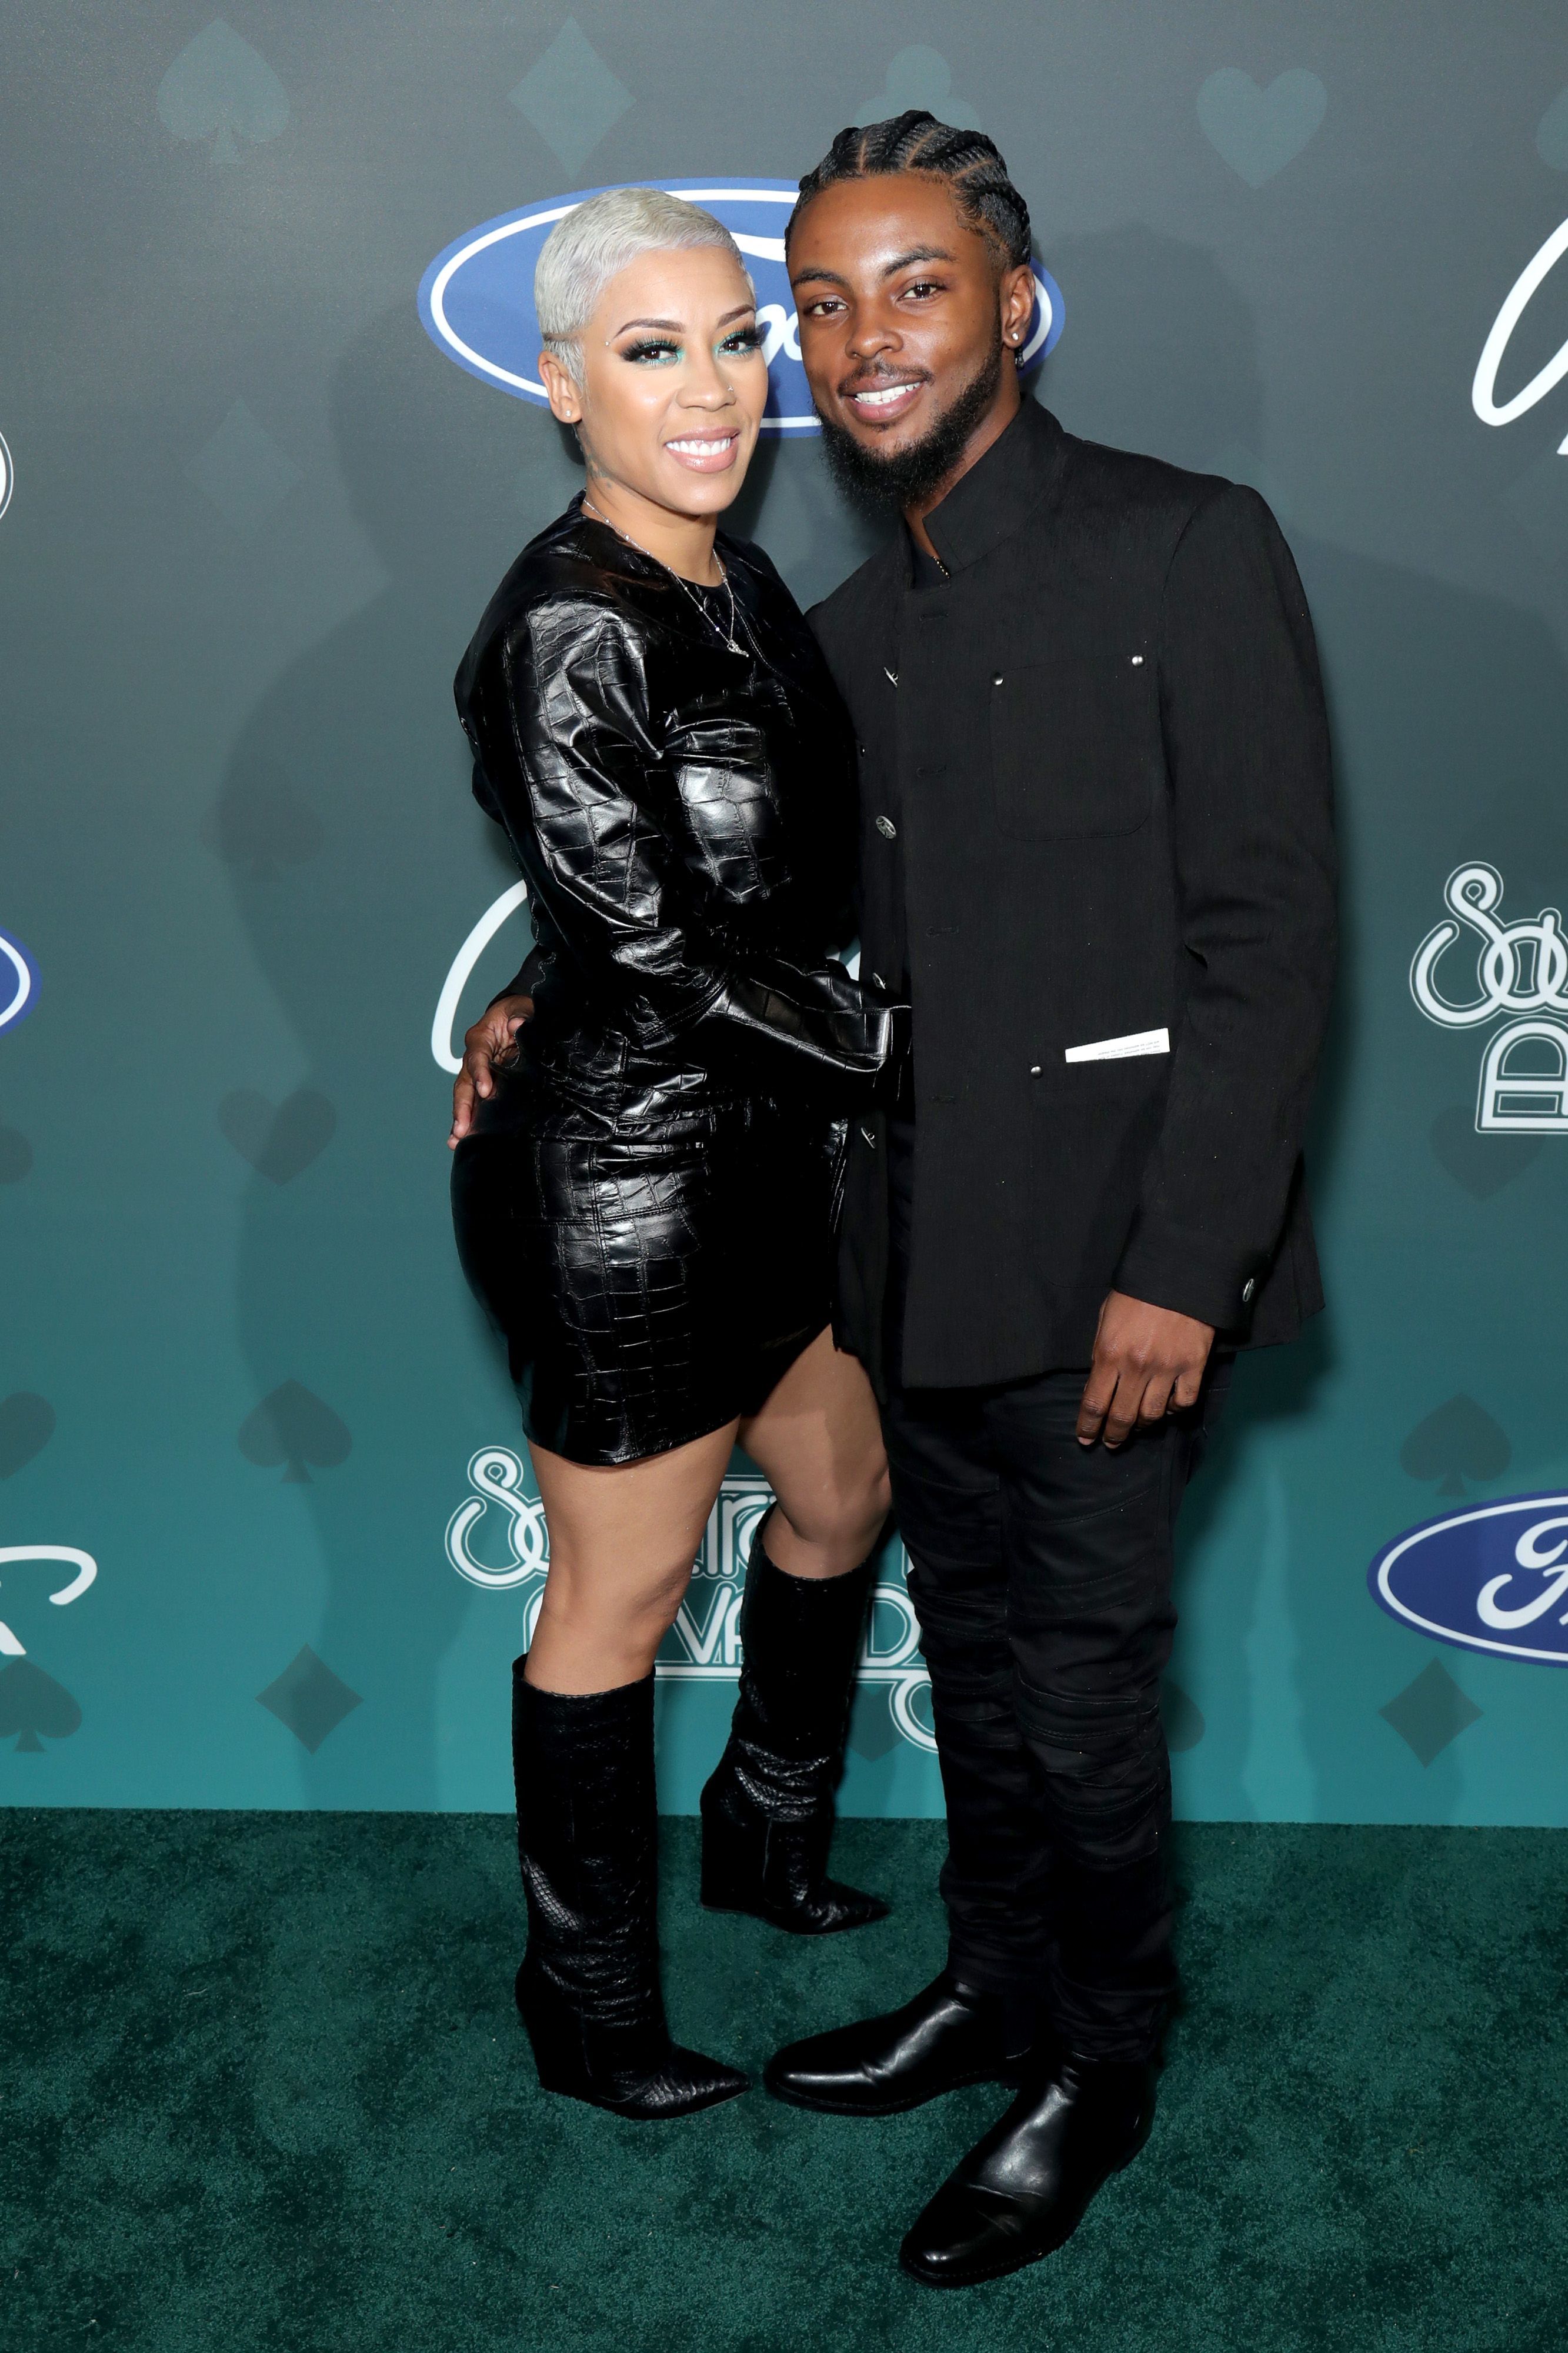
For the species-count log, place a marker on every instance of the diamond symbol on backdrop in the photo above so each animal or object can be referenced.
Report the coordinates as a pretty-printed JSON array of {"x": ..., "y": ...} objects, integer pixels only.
[
  {"x": 1483, "y": 1165},
  {"x": 310, "y": 1699},
  {"x": 872, "y": 1731},
  {"x": 1537, "y": 501},
  {"x": 1458, "y": 1441},
  {"x": 243, "y": 471},
  {"x": 920, "y": 76},
  {"x": 1431, "y": 1712},
  {"x": 570, "y": 95}
]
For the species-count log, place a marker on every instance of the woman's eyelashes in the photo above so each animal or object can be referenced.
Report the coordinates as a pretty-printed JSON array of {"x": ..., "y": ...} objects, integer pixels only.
[{"x": 662, "y": 351}]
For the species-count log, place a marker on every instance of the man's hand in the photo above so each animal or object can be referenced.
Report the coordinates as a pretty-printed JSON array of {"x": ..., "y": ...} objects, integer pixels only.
[
  {"x": 492, "y": 1040},
  {"x": 1147, "y": 1361}
]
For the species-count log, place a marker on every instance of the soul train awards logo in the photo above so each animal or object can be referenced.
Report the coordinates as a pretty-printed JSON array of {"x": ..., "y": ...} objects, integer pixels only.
[
  {"x": 18, "y": 981},
  {"x": 1521, "y": 973},
  {"x": 476, "y": 299},
  {"x": 1483, "y": 390},
  {"x": 33, "y": 1707},
  {"x": 1481, "y": 1580},
  {"x": 497, "y": 1539}
]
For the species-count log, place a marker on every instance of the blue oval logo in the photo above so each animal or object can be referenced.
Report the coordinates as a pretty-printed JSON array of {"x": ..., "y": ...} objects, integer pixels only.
[
  {"x": 18, "y": 981},
  {"x": 1492, "y": 1580},
  {"x": 477, "y": 299}
]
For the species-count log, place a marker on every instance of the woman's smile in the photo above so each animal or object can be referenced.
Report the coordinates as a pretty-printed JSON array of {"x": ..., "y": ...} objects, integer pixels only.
[{"x": 706, "y": 453}]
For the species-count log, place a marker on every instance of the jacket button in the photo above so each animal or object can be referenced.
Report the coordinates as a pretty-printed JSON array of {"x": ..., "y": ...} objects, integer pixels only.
[
  {"x": 1248, "y": 1288},
  {"x": 887, "y": 828},
  {"x": 877, "y": 981},
  {"x": 869, "y": 1138},
  {"x": 996, "y": 678},
  {"x": 1034, "y": 1069}
]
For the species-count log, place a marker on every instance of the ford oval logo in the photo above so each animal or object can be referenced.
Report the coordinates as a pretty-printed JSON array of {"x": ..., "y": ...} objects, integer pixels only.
[
  {"x": 1492, "y": 1580},
  {"x": 18, "y": 981},
  {"x": 477, "y": 299}
]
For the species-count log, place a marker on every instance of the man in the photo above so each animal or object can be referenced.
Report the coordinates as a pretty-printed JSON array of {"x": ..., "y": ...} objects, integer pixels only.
[{"x": 1097, "y": 860}]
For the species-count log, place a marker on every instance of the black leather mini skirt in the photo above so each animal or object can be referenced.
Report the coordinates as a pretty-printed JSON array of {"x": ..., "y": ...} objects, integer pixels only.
[{"x": 652, "y": 1283}]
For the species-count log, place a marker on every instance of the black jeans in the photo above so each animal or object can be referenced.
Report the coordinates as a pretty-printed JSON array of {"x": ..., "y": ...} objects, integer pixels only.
[{"x": 1040, "y": 1571}]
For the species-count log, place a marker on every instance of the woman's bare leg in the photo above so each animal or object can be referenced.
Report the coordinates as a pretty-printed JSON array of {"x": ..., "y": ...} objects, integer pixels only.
[
  {"x": 622, "y": 1542},
  {"x": 818, "y": 1439}
]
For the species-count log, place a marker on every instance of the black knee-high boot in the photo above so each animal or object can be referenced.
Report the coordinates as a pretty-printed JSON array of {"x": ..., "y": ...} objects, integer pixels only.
[
  {"x": 587, "y": 1841},
  {"x": 767, "y": 1812}
]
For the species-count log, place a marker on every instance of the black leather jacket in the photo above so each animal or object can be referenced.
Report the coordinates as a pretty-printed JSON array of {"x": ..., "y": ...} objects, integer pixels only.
[{"x": 685, "y": 817}]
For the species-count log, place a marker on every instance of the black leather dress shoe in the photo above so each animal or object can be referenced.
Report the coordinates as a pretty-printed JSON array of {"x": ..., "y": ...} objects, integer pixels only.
[
  {"x": 1023, "y": 2190},
  {"x": 948, "y": 2035}
]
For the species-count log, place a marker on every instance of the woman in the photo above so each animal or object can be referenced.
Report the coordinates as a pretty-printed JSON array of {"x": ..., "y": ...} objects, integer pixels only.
[{"x": 643, "y": 1186}]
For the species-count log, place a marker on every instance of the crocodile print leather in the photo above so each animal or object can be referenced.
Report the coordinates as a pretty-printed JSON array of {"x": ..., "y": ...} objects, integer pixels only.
[{"x": 645, "y": 1205}]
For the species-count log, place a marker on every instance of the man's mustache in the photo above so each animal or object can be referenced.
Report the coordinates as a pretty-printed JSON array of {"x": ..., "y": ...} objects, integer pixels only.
[{"x": 865, "y": 378}]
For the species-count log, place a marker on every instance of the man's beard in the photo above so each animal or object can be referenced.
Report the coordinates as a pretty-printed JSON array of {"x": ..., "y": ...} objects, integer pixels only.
[{"x": 906, "y": 477}]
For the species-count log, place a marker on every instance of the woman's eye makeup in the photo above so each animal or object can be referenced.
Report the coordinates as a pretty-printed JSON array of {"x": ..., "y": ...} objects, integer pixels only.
[
  {"x": 655, "y": 350},
  {"x": 744, "y": 339}
]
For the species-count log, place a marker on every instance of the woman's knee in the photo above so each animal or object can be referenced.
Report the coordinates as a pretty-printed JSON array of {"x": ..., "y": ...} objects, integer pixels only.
[
  {"x": 643, "y": 1607},
  {"x": 847, "y": 1517}
]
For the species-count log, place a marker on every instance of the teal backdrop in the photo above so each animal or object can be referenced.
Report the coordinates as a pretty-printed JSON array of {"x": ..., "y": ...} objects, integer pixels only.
[{"x": 266, "y": 1534}]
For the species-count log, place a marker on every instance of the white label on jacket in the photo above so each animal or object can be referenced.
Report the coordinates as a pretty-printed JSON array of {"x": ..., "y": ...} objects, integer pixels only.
[{"x": 1117, "y": 1049}]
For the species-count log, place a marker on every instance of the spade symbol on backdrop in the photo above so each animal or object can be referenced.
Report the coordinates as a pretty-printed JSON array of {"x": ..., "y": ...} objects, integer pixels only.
[
  {"x": 27, "y": 1426},
  {"x": 1459, "y": 1442},
  {"x": 294, "y": 1428},
  {"x": 32, "y": 1703},
  {"x": 279, "y": 1140},
  {"x": 1483, "y": 1165},
  {"x": 218, "y": 85}
]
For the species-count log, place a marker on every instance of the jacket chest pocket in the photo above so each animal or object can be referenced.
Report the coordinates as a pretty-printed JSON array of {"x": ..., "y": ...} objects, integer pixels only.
[{"x": 1075, "y": 746}]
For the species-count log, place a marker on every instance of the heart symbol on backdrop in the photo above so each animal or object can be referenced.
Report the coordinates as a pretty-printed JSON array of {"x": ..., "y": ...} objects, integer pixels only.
[
  {"x": 277, "y": 1139},
  {"x": 1483, "y": 1165},
  {"x": 218, "y": 85},
  {"x": 1258, "y": 131}
]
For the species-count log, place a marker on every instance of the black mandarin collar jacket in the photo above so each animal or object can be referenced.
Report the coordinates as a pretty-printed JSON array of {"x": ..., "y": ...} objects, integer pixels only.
[{"x": 1095, "y": 763}]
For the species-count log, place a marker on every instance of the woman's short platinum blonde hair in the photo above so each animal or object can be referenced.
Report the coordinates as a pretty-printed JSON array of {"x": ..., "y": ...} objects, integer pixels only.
[{"x": 595, "y": 241}]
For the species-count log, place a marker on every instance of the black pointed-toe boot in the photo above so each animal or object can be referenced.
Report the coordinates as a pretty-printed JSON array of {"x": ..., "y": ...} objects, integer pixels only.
[
  {"x": 767, "y": 1812},
  {"x": 587, "y": 1836},
  {"x": 1022, "y": 2192}
]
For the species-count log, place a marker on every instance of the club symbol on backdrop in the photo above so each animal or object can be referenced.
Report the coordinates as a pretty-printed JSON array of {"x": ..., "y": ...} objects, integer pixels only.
[
  {"x": 476, "y": 299},
  {"x": 920, "y": 76},
  {"x": 1258, "y": 131},
  {"x": 294, "y": 1427},
  {"x": 18, "y": 982},
  {"x": 8, "y": 475},
  {"x": 279, "y": 1140},
  {"x": 1460, "y": 1441},
  {"x": 1521, "y": 975},
  {"x": 219, "y": 85},
  {"x": 496, "y": 1538}
]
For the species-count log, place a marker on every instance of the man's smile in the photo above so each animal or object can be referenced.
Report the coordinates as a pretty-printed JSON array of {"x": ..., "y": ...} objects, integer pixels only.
[{"x": 880, "y": 398}]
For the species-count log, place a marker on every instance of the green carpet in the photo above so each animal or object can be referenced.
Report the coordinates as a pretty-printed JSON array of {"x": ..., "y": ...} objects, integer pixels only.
[{"x": 263, "y": 2086}]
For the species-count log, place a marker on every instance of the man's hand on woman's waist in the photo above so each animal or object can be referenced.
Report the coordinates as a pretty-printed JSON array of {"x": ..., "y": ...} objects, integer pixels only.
[{"x": 493, "y": 1040}]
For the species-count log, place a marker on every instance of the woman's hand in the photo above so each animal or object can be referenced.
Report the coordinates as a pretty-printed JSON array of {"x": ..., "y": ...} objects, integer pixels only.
[{"x": 492, "y": 1040}]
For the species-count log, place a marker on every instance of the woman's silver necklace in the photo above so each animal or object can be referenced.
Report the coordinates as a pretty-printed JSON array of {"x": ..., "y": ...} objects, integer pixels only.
[{"x": 728, "y": 636}]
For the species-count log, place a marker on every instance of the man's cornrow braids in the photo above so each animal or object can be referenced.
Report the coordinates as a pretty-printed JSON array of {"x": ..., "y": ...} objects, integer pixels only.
[{"x": 916, "y": 142}]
